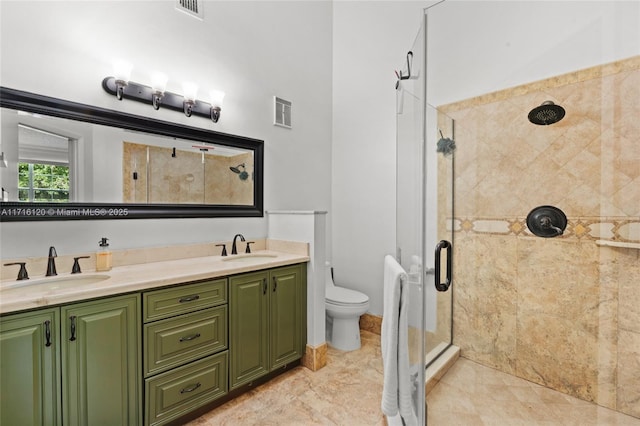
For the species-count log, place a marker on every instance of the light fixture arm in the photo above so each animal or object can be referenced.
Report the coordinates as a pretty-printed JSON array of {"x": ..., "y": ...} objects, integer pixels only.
[
  {"x": 120, "y": 85},
  {"x": 187, "y": 107},
  {"x": 145, "y": 94},
  {"x": 156, "y": 99},
  {"x": 215, "y": 114}
]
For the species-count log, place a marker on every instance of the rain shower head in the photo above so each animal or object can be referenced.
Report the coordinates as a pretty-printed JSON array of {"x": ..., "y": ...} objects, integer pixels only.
[{"x": 547, "y": 113}]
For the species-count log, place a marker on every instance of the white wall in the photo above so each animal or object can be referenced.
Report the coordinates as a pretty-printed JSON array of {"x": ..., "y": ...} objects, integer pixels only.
[
  {"x": 251, "y": 50},
  {"x": 370, "y": 41},
  {"x": 502, "y": 44}
]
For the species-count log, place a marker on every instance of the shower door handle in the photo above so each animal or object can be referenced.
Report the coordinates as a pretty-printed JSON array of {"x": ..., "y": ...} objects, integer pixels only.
[{"x": 445, "y": 285}]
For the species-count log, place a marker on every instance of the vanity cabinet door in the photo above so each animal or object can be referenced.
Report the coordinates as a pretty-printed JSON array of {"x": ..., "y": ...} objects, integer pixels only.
[
  {"x": 29, "y": 356},
  {"x": 287, "y": 321},
  {"x": 267, "y": 321},
  {"x": 248, "y": 327},
  {"x": 101, "y": 367}
]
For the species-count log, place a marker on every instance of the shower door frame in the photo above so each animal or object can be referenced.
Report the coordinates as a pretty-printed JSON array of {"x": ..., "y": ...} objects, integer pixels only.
[{"x": 417, "y": 216}]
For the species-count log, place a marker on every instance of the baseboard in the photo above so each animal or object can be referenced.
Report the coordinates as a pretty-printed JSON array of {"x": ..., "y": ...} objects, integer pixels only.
[
  {"x": 315, "y": 358},
  {"x": 371, "y": 323}
]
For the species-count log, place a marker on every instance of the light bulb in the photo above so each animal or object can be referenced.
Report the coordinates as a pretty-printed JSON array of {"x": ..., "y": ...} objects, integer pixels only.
[
  {"x": 217, "y": 97},
  {"x": 122, "y": 70},
  {"x": 190, "y": 91},
  {"x": 159, "y": 82}
]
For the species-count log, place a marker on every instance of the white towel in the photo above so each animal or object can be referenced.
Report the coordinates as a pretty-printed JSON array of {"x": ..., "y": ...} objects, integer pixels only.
[{"x": 397, "y": 387}]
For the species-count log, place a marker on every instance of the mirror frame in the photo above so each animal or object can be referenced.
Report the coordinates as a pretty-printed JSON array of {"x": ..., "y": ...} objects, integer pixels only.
[{"x": 13, "y": 211}]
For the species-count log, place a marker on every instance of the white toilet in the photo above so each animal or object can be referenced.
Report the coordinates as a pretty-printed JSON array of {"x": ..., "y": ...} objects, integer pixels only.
[{"x": 344, "y": 308}]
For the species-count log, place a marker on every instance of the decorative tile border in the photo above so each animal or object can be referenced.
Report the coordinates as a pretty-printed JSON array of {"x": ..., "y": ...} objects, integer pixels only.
[{"x": 580, "y": 228}]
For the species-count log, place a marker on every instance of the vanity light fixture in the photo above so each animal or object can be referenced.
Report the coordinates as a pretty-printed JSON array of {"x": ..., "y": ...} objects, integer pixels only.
[
  {"x": 156, "y": 95},
  {"x": 158, "y": 85}
]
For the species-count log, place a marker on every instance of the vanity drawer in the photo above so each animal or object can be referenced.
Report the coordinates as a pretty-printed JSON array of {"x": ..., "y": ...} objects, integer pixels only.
[
  {"x": 175, "y": 341},
  {"x": 173, "y": 301},
  {"x": 177, "y": 392}
]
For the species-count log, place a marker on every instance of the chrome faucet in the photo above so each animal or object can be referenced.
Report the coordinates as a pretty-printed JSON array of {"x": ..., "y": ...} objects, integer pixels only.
[
  {"x": 234, "y": 250},
  {"x": 51, "y": 264}
]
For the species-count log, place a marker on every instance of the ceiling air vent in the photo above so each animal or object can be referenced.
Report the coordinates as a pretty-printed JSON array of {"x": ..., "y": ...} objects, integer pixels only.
[
  {"x": 191, "y": 7},
  {"x": 282, "y": 112}
]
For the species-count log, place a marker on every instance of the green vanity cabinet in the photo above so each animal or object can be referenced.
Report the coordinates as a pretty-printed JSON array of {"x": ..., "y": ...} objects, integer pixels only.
[
  {"x": 153, "y": 357},
  {"x": 29, "y": 370},
  {"x": 267, "y": 321},
  {"x": 77, "y": 364},
  {"x": 101, "y": 362}
]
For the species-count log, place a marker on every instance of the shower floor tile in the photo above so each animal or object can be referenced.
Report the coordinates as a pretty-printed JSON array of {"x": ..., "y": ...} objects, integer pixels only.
[{"x": 348, "y": 390}]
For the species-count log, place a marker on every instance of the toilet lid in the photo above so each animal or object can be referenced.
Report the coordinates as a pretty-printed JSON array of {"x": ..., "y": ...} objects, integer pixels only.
[{"x": 344, "y": 295}]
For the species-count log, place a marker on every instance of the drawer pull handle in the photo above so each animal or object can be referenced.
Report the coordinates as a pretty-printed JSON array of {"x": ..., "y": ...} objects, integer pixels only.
[
  {"x": 73, "y": 328},
  {"x": 190, "y": 337},
  {"x": 189, "y": 298},
  {"x": 47, "y": 333},
  {"x": 191, "y": 388}
]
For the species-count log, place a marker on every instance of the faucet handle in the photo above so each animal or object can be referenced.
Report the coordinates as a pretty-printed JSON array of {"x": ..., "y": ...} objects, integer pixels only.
[
  {"x": 76, "y": 264},
  {"x": 248, "y": 249},
  {"x": 22, "y": 274},
  {"x": 224, "y": 249}
]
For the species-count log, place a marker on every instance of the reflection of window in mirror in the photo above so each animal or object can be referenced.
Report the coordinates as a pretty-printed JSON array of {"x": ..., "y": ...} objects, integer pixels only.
[
  {"x": 43, "y": 183},
  {"x": 44, "y": 169}
]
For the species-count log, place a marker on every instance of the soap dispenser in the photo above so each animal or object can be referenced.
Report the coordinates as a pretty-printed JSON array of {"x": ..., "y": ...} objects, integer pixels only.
[{"x": 103, "y": 256}]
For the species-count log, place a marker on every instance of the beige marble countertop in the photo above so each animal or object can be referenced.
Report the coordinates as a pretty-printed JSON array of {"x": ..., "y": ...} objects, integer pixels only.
[{"x": 38, "y": 292}]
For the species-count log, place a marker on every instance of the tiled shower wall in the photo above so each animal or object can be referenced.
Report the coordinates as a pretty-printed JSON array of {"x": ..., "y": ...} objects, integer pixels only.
[
  {"x": 184, "y": 178},
  {"x": 562, "y": 312}
]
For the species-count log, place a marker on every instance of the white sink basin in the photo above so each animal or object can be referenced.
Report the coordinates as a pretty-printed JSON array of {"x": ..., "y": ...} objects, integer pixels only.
[
  {"x": 249, "y": 257},
  {"x": 54, "y": 283}
]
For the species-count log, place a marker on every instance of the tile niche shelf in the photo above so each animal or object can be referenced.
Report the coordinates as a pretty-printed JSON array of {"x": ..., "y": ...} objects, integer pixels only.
[{"x": 617, "y": 244}]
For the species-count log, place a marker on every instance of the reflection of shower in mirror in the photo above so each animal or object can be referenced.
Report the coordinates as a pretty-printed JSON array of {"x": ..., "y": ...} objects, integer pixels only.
[
  {"x": 203, "y": 149},
  {"x": 236, "y": 169},
  {"x": 242, "y": 174}
]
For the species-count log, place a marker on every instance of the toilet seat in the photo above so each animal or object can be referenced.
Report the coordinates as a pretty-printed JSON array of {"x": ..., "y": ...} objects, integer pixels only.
[{"x": 341, "y": 296}]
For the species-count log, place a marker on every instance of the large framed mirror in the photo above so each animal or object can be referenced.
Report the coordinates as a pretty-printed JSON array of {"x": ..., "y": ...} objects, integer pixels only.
[{"x": 63, "y": 160}]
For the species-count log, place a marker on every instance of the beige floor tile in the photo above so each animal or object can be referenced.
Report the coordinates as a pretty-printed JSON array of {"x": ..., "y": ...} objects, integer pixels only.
[{"x": 348, "y": 390}]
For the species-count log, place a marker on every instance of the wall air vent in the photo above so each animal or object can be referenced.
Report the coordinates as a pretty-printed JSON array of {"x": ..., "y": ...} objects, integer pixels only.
[
  {"x": 281, "y": 112},
  {"x": 191, "y": 7}
]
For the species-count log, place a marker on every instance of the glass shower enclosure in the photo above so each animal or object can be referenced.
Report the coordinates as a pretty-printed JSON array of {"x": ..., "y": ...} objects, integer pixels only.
[{"x": 559, "y": 310}]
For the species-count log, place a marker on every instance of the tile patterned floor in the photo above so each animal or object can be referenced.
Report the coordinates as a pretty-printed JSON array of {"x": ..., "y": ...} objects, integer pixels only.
[{"x": 347, "y": 392}]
